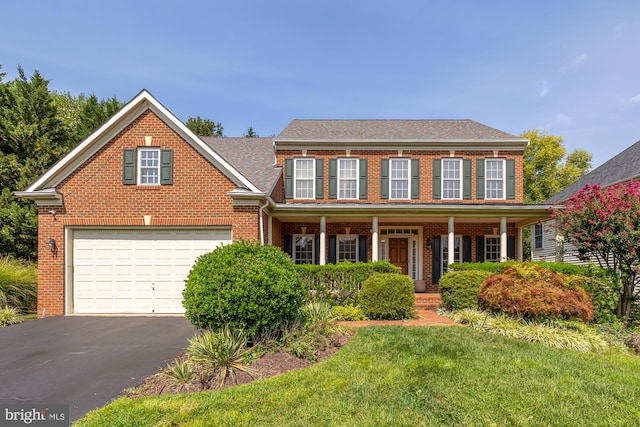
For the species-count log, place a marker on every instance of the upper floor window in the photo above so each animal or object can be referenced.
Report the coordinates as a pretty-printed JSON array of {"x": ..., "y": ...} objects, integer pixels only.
[
  {"x": 148, "y": 166},
  {"x": 347, "y": 248},
  {"x": 348, "y": 178},
  {"x": 451, "y": 178},
  {"x": 303, "y": 251},
  {"x": 399, "y": 178},
  {"x": 537, "y": 236},
  {"x": 304, "y": 173},
  {"x": 494, "y": 179}
]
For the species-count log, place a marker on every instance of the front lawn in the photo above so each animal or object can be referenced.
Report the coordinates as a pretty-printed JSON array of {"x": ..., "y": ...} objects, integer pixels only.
[{"x": 411, "y": 376}]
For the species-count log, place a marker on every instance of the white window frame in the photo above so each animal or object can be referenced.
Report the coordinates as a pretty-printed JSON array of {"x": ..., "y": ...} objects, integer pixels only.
[
  {"x": 339, "y": 257},
  {"x": 296, "y": 179},
  {"x": 445, "y": 179},
  {"x": 486, "y": 242},
  {"x": 392, "y": 162},
  {"x": 312, "y": 238},
  {"x": 487, "y": 179},
  {"x": 142, "y": 168},
  {"x": 537, "y": 237},
  {"x": 356, "y": 179}
]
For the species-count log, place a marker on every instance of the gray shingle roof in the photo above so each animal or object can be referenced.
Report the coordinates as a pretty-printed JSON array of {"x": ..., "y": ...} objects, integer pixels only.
[
  {"x": 622, "y": 167},
  {"x": 252, "y": 157},
  {"x": 416, "y": 130}
]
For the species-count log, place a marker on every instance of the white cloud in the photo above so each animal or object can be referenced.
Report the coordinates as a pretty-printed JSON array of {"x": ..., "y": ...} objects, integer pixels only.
[
  {"x": 562, "y": 118},
  {"x": 574, "y": 63},
  {"x": 634, "y": 99},
  {"x": 544, "y": 88}
]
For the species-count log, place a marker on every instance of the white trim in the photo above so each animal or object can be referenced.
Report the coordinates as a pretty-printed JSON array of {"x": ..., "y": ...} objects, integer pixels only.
[
  {"x": 407, "y": 232},
  {"x": 391, "y": 180},
  {"x": 139, "y": 166},
  {"x": 313, "y": 177},
  {"x": 442, "y": 179},
  {"x": 118, "y": 122},
  {"x": 357, "y": 177}
]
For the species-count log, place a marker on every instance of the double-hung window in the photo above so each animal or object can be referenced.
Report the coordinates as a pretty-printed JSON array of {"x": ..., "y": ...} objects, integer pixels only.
[
  {"x": 399, "y": 179},
  {"x": 348, "y": 179},
  {"x": 494, "y": 179},
  {"x": 537, "y": 236},
  {"x": 148, "y": 166},
  {"x": 451, "y": 179},
  {"x": 492, "y": 248},
  {"x": 347, "y": 248},
  {"x": 304, "y": 172},
  {"x": 303, "y": 251}
]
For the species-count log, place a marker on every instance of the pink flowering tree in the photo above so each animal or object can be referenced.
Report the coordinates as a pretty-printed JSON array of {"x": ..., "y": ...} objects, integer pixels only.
[{"x": 604, "y": 224}]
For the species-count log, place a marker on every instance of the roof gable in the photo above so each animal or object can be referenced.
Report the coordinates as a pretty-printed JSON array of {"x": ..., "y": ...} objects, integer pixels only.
[
  {"x": 139, "y": 104},
  {"x": 619, "y": 168}
]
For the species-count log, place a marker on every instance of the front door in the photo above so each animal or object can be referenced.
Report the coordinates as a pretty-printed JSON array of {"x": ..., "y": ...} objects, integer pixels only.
[{"x": 399, "y": 253}]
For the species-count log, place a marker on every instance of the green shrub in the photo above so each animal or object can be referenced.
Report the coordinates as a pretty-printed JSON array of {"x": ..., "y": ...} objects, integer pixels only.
[
  {"x": 459, "y": 289},
  {"x": 604, "y": 293},
  {"x": 556, "y": 267},
  {"x": 533, "y": 292},
  {"x": 18, "y": 284},
  {"x": 244, "y": 285},
  {"x": 348, "y": 313},
  {"x": 9, "y": 316},
  {"x": 388, "y": 296},
  {"x": 340, "y": 283}
]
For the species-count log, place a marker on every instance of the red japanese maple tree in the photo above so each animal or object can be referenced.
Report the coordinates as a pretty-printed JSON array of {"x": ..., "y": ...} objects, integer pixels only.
[{"x": 604, "y": 224}]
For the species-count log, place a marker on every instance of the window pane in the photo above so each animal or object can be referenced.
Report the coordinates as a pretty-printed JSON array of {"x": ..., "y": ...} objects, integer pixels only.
[
  {"x": 304, "y": 179},
  {"x": 149, "y": 166},
  {"x": 399, "y": 179},
  {"x": 399, "y": 189},
  {"x": 304, "y": 250},
  {"x": 347, "y": 248},
  {"x": 348, "y": 178},
  {"x": 494, "y": 172},
  {"x": 492, "y": 249},
  {"x": 399, "y": 169}
]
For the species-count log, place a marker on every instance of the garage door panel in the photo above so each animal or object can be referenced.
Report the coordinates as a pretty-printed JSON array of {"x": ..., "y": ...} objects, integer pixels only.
[{"x": 136, "y": 271}]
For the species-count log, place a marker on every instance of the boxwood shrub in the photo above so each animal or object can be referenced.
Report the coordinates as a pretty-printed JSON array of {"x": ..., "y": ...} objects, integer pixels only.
[
  {"x": 388, "y": 296},
  {"x": 244, "y": 285},
  {"x": 459, "y": 289}
]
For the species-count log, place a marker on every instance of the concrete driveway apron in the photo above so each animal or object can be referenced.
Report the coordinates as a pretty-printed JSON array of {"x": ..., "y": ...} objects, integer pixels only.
[{"x": 85, "y": 361}]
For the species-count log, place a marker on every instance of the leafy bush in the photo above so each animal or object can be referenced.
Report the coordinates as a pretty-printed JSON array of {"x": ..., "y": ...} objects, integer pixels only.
[
  {"x": 556, "y": 267},
  {"x": 244, "y": 285},
  {"x": 348, "y": 313},
  {"x": 340, "y": 283},
  {"x": 221, "y": 353},
  {"x": 604, "y": 293},
  {"x": 18, "y": 284},
  {"x": 9, "y": 316},
  {"x": 459, "y": 289},
  {"x": 388, "y": 296},
  {"x": 534, "y": 293}
]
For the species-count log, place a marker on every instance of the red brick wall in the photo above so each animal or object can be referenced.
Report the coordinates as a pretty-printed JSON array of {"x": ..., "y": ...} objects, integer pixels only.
[
  {"x": 94, "y": 196},
  {"x": 426, "y": 172}
]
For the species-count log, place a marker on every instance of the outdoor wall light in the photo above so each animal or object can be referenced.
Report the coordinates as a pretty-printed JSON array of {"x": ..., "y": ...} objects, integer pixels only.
[
  {"x": 51, "y": 244},
  {"x": 427, "y": 244}
]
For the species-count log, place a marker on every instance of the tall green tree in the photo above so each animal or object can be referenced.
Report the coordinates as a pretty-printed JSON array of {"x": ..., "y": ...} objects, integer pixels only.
[
  {"x": 204, "y": 127},
  {"x": 547, "y": 167},
  {"x": 251, "y": 133}
]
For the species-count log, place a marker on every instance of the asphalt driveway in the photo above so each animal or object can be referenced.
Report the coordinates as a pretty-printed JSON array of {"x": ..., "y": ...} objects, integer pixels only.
[{"x": 85, "y": 361}]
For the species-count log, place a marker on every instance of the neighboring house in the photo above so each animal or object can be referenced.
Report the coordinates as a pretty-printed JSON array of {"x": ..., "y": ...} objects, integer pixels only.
[
  {"x": 546, "y": 243},
  {"x": 125, "y": 214}
]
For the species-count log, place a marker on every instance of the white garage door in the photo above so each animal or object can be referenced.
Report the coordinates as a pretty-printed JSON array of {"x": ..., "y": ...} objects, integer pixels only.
[{"x": 136, "y": 271}]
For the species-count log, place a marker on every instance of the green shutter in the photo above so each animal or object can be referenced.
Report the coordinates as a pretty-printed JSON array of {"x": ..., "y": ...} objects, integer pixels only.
[
  {"x": 466, "y": 179},
  {"x": 362, "y": 248},
  {"x": 333, "y": 178},
  {"x": 319, "y": 179},
  {"x": 166, "y": 167},
  {"x": 479, "y": 248},
  {"x": 415, "y": 178},
  {"x": 437, "y": 183},
  {"x": 384, "y": 179},
  {"x": 480, "y": 178},
  {"x": 288, "y": 178},
  {"x": 466, "y": 248},
  {"x": 129, "y": 167},
  {"x": 511, "y": 179},
  {"x": 364, "y": 179}
]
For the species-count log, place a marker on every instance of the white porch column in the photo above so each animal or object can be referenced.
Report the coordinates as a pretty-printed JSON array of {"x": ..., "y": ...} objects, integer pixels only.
[
  {"x": 374, "y": 239},
  {"x": 323, "y": 240},
  {"x": 451, "y": 243},
  {"x": 503, "y": 239},
  {"x": 519, "y": 253},
  {"x": 270, "y": 229}
]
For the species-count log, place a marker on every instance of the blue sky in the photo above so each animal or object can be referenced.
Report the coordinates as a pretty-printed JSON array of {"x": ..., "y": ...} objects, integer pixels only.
[{"x": 570, "y": 67}]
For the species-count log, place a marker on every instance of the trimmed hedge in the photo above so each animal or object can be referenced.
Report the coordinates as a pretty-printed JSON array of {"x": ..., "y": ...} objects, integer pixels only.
[
  {"x": 459, "y": 289},
  {"x": 388, "y": 296},
  {"x": 340, "y": 283},
  {"x": 246, "y": 286}
]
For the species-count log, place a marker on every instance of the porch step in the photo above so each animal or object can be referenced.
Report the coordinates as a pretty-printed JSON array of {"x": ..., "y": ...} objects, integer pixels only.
[{"x": 428, "y": 301}]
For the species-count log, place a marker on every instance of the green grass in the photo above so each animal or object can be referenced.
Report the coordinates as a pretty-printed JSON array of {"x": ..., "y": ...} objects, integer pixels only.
[{"x": 412, "y": 376}]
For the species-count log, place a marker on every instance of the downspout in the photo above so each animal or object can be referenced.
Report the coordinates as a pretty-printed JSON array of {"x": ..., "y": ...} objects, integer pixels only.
[{"x": 266, "y": 203}]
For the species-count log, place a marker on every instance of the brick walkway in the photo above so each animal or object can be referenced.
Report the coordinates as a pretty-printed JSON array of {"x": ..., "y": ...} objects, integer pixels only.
[{"x": 426, "y": 306}]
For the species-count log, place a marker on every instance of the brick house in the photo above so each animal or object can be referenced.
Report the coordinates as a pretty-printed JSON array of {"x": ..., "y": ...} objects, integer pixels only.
[{"x": 125, "y": 214}]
